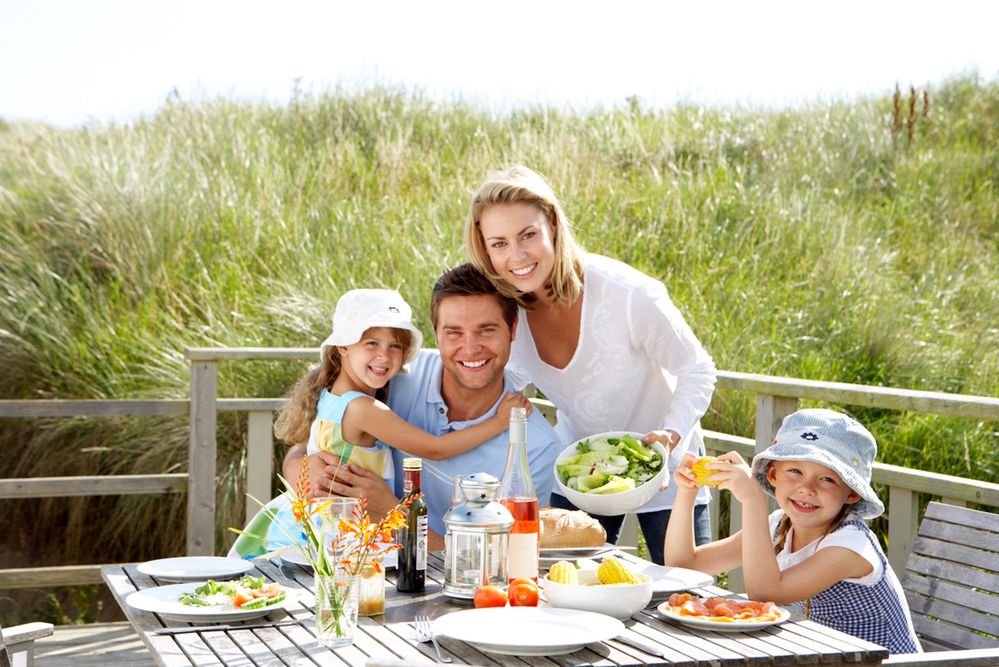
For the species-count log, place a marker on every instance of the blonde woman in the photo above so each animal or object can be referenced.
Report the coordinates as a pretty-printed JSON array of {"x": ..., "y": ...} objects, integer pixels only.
[{"x": 602, "y": 340}]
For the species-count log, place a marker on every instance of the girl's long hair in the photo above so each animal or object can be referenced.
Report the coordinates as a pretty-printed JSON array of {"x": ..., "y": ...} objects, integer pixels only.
[{"x": 295, "y": 419}]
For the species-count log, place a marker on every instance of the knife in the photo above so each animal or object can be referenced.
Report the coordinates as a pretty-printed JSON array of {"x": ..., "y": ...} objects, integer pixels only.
[
  {"x": 223, "y": 628},
  {"x": 651, "y": 650}
]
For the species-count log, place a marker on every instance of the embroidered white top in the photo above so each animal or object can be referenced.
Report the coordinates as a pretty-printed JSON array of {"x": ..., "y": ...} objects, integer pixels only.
[{"x": 637, "y": 365}]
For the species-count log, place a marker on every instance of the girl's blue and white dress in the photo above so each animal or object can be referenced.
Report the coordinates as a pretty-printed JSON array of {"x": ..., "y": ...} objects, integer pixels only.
[
  {"x": 274, "y": 525},
  {"x": 872, "y": 607}
]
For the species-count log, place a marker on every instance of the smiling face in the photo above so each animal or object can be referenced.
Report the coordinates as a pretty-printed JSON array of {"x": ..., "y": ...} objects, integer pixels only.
[
  {"x": 374, "y": 360},
  {"x": 809, "y": 493},
  {"x": 520, "y": 243},
  {"x": 474, "y": 342}
]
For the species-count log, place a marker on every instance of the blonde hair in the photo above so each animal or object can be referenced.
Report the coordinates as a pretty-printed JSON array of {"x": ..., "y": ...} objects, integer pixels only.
[
  {"x": 297, "y": 414},
  {"x": 518, "y": 184}
]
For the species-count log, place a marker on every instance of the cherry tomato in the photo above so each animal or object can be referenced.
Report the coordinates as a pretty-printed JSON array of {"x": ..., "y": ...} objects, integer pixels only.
[
  {"x": 489, "y": 596},
  {"x": 523, "y": 594}
]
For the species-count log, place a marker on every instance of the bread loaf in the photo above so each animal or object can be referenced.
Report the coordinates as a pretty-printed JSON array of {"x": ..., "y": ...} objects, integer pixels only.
[{"x": 567, "y": 528}]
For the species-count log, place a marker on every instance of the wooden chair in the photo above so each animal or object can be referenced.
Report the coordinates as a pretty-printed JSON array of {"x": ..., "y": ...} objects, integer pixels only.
[
  {"x": 952, "y": 585},
  {"x": 17, "y": 644}
]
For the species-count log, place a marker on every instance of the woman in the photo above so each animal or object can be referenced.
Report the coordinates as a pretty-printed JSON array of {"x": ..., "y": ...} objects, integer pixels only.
[{"x": 600, "y": 339}]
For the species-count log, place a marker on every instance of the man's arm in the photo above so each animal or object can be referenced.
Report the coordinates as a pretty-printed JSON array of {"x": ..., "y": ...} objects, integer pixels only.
[
  {"x": 322, "y": 467},
  {"x": 356, "y": 482}
]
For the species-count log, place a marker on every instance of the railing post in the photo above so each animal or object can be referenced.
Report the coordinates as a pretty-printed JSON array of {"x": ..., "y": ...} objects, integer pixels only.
[
  {"x": 259, "y": 459},
  {"x": 903, "y": 521},
  {"x": 770, "y": 412},
  {"x": 201, "y": 459}
]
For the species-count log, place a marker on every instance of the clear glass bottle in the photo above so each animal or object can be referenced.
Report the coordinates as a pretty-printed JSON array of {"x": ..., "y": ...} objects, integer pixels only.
[
  {"x": 517, "y": 494},
  {"x": 411, "y": 572}
]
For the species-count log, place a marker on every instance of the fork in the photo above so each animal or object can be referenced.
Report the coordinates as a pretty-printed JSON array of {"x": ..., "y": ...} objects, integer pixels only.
[{"x": 425, "y": 633}]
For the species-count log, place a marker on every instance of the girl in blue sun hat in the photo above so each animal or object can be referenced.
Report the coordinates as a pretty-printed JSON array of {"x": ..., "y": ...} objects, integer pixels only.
[
  {"x": 815, "y": 554},
  {"x": 338, "y": 407}
]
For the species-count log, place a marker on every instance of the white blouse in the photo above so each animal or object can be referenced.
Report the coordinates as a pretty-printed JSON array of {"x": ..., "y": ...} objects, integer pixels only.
[{"x": 637, "y": 366}]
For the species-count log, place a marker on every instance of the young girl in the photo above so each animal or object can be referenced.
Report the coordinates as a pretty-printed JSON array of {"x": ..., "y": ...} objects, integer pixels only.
[
  {"x": 338, "y": 405},
  {"x": 815, "y": 554}
]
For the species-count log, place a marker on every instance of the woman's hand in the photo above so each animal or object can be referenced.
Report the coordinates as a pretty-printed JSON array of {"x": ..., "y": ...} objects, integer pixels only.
[
  {"x": 513, "y": 400},
  {"x": 668, "y": 437}
]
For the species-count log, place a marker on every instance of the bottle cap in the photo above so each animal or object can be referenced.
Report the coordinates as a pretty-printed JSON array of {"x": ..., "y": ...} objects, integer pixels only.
[{"x": 412, "y": 463}]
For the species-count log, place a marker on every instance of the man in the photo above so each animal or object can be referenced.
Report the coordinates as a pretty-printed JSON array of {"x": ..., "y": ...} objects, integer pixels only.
[{"x": 457, "y": 387}]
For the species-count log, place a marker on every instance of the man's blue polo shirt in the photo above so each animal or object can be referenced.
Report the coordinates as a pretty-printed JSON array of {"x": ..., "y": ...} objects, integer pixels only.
[{"x": 416, "y": 397}]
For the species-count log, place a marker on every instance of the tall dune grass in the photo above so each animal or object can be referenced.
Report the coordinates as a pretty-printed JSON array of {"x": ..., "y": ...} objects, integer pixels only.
[{"x": 811, "y": 243}]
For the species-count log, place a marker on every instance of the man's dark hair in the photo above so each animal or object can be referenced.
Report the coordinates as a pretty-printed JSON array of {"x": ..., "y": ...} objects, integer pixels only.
[{"x": 466, "y": 280}]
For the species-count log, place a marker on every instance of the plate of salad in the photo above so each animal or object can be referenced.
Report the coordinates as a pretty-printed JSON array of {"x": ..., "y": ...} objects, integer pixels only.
[
  {"x": 611, "y": 473},
  {"x": 213, "y": 601}
]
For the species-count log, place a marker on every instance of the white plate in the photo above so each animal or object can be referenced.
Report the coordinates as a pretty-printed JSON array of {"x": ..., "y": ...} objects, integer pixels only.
[
  {"x": 671, "y": 579},
  {"x": 528, "y": 630},
  {"x": 195, "y": 568},
  {"x": 721, "y": 626},
  {"x": 163, "y": 600},
  {"x": 572, "y": 553}
]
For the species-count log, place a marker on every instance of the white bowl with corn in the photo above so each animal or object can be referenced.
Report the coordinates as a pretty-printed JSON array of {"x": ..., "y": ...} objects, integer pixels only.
[{"x": 612, "y": 588}]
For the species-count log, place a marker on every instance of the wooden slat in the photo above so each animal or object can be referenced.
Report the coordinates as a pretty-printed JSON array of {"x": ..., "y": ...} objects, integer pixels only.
[
  {"x": 936, "y": 484},
  {"x": 50, "y": 577},
  {"x": 955, "y": 553},
  {"x": 950, "y": 532},
  {"x": 968, "y": 619},
  {"x": 94, "y": 408},
  {"x": 938, "y": 569},
  {"x": 97, "y": 485},
  {"x": 259, "y": 460},
  {"x": 967, "y": 517},
  {"x": 201, "y": 460},
  {"x": 212, "y": 354},
  {"x": 982, "y": 407},
  {"x": 968, "y": 658},
  {"x": 929, "y": 587},
  {"x": 903, "y": 517},
  {"x": 771, "y": 409}
]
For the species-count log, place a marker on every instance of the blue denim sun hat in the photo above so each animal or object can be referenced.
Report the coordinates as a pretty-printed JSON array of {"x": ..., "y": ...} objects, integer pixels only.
[{"x": 831, "y": 439}]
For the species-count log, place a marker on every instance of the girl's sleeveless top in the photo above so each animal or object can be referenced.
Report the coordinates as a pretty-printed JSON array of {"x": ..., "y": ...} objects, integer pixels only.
[
  {"x": 877, "y": 613},
  {"x": 326, "y": 434}
]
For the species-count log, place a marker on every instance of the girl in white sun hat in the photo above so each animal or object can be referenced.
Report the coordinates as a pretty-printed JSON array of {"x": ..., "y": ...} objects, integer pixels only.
[
  {"x": 815, "y": 554},
  {"x": 339, "y": 407}
]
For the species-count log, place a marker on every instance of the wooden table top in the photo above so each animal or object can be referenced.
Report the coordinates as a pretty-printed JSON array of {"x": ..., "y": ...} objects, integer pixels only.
[{"x": 389, "y": 639}]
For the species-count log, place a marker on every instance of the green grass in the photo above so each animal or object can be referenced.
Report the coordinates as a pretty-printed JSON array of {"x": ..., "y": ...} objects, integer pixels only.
[{"x": 809, "y": 243}]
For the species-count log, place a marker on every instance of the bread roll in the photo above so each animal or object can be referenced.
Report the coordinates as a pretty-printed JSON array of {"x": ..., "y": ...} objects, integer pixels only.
[{"x": 567, "y": 528}]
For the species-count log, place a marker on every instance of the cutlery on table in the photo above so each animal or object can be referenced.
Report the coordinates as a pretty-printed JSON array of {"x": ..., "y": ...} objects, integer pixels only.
[
  {"x": 282, "y": 568},
  {"x": 425, "y": 633},
  {"x": 648, "y": 648},
  {"x": 222, "y": 628}
]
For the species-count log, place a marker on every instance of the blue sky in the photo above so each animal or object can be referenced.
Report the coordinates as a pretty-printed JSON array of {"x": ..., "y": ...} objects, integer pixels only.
[{"x": 72, "y": 63}]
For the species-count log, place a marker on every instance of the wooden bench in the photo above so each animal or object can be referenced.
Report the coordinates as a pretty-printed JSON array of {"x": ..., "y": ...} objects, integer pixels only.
[
  {"x": 952, "y": 585},
  {"x": 17, "y": 643}
]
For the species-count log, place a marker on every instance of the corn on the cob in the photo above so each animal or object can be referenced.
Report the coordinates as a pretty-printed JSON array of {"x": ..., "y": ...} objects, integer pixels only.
[
  {"x": 563, "y": 572},
  {"x": 702, "y": 474},
  {"x": 613, "y": 571}
]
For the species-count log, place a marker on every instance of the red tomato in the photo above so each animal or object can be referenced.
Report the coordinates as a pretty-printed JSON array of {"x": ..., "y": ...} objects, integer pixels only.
[
  {"x": 489, "y": 596},
  {"x": 523, "y": 594}
]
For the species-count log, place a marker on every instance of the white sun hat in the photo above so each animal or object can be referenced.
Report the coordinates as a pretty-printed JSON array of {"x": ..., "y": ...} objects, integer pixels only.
[
  {"x": 361, "y": 309},
  {"x": 831, "y": 439}
]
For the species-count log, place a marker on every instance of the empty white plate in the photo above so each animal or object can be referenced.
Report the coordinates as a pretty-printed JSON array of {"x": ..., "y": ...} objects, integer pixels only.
[{"x": 195, "y": 568}]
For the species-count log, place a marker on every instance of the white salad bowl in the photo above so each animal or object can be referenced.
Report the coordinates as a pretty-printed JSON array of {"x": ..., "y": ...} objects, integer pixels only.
[
  {"x": 611, "y": 504},
  {"x": 617, "y": 600}
]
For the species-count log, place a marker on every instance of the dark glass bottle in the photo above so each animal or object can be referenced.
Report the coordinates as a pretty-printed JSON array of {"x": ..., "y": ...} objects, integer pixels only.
[{"x": 411, "y": 574}]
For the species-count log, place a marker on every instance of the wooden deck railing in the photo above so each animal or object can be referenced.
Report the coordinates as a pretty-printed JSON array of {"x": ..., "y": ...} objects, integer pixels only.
[{"x": 775, "y": 398}]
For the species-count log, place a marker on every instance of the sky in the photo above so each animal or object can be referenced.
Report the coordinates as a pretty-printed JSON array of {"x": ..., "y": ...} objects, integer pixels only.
[{"x": 80, "y": 62}]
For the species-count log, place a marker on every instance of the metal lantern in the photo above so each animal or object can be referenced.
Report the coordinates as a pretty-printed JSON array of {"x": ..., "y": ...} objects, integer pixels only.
[{"x": 476, "y": 538}]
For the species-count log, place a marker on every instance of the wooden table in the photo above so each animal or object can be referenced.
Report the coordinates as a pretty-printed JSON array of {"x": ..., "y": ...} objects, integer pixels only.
[{"x": 389, "y": 639}]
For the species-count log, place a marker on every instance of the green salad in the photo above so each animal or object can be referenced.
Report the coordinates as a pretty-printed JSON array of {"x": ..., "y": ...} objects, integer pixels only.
[
  {"x": 245, "y": 593},
  {"x": 609, "y": 465}
]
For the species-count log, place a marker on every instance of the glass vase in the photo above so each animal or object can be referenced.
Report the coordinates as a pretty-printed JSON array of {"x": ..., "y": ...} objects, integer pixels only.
[{"x": 336, "y": 608}]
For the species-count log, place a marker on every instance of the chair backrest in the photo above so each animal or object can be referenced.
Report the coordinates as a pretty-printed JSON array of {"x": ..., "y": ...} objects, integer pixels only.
[
  {"x": 4, "y": 655},
  {"x": 952, "y": 579}
]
